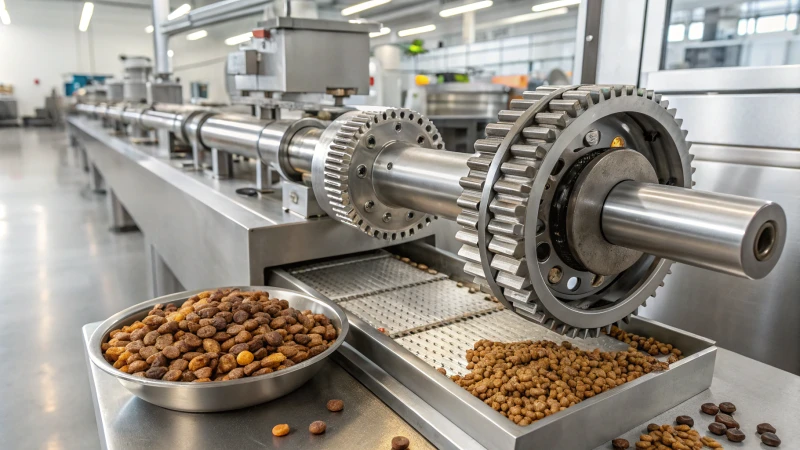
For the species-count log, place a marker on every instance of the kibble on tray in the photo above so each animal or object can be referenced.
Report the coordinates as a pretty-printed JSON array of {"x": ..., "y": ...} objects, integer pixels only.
[
  {"x": 217, "y": 336},
  {"x": 527, "y": 381}
]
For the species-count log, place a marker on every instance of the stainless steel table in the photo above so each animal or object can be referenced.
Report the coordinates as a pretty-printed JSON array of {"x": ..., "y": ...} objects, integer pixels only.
[
  {"x": 761, "y": 393},
  {"x": 126, "y": 422}
]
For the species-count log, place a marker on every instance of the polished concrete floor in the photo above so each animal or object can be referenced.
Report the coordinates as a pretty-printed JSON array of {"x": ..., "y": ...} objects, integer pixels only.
[{"x": 60, "y": 268}]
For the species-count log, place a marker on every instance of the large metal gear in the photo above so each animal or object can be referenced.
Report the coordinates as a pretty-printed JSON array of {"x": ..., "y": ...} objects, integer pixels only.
[
  {"x": 530, "y": 157},
  {"x": 348, "y": 151}
]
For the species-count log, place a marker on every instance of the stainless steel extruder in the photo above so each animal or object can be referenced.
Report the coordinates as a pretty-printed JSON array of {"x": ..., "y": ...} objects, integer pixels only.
[{"x": 571, "y": 210}]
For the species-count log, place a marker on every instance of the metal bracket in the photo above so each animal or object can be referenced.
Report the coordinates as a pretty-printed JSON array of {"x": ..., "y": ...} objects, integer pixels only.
[{"x": 300, "y": 199}]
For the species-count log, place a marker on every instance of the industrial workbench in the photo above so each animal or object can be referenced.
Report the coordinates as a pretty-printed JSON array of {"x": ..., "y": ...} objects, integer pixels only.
[{"x": 761, "y": 393}]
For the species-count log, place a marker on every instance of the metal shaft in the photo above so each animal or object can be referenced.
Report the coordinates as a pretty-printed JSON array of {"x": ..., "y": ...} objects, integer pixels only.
[
  {"x": 725, "y": 233},
  {"x": 420, "y": 178}
]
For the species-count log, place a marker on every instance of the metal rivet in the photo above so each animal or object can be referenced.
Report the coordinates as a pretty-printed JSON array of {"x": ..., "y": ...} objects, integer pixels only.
[
  {"x": 369, "y": 205},
  {"x": 387, "y": 217},
  {"x": 589, "y": 38}
]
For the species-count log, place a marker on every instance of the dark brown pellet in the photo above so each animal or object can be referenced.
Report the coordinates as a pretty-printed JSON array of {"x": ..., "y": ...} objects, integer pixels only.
[
  {"x": 317, "y": 427},
  {"x": 726, "y": 420},
  {"x": 770, "y": 439},
  {"x": 727, "y": 407},
  {"x": 717, "y": 428},
  {"x": 620, "y": 444},
  {"x": 765, "y": 428},
  {"x": 401, "y": 443},
  {"x": 685, "y": 420},
  {"x": 709, "y": 408},
  {"x": 735, "y": 435},
  {"x": 653, "y": 427}
]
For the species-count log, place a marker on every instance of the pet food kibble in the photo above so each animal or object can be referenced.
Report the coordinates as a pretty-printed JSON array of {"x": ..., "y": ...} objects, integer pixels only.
[
  {"x": 717, "y": 428},
  {"x": 620, "y": 444},
  {"x": 726, "y": 420},
  {"x": 335, "y": 405},
  {"x": 709, "y": 408},
  {"x": 280, "y": 430},
  {"x": 770, "y": 439},
  {"x": 765, "y": 428},
  {"x": 727, "y": 407},
  {"x": 735, "y": 435},
  {"x": 218, "y": 335},
  {"x": 685, "y": 420},
  {"x": 400, "y": 443},
  {"x": 317, "y": 427}
]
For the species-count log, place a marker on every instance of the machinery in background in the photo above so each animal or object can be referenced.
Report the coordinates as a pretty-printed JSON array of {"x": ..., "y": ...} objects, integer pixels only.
[
  {"x": 199, "y": 91},
  {"x": 8, "y": 106}
]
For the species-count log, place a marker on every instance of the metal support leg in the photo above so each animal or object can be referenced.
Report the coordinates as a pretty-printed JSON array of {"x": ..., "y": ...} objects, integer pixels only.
[
  {"x": 121, "y": 221},
  {"x": 221, "y": 164},
  {"x": 96, "y": 180},
  {"x": 162, "y": 280},
  {"x": 263, "y": 177},
  {"x": 84, "y": 160}
]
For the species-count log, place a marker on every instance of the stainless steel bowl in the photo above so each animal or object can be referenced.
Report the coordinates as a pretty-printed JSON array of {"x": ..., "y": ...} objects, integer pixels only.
[{"x": 219, "y": 395}]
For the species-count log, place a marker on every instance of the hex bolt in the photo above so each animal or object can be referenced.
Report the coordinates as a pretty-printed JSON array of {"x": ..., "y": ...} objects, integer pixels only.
[{"x": 592, "y": 138}]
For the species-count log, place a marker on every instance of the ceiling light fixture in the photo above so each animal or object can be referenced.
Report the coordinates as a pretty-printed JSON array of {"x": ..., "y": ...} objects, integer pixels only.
[
  {"x": 179, "y": 11},
  {"x": 200, "y": 34},
  {"x": 553, "y": 5},
  {"x": 417, "y": 30},
  {"x": 350, "y": 10},
  {"x": 239, "y": 38},
  {"x": 523, "y": 18},
  {"x": 465, "y": 8},
  {"x": 86, "y": 16},
  {"x": 384, "y": 31}
]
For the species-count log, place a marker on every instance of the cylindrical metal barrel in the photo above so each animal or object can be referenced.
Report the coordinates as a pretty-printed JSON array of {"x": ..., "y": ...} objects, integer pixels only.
[
  {"x": 420, "y": 178},
  {"x": 233, "y": 133},
  {"x": 301, "y": 149},
  {"x": 725, "y": 233},
  {"x": 160, "y": 121}
]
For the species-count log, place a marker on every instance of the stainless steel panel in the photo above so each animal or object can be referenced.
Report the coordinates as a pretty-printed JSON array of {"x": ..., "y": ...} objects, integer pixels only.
[
  {"x": 757, "y": 120},
  {"x": 729, "y": 79},
  {"x": 755, "y": 318},
  {"x": 411, "y": 359},
  {"x": 205, "y": 232}
]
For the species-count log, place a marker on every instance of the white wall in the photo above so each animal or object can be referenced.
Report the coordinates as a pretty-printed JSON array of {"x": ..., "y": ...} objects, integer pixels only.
[{"x": 43, "y": 42}]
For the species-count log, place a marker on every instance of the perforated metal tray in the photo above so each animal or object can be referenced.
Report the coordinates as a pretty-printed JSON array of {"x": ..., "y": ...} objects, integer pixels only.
[{"x": 427, "y": 322}]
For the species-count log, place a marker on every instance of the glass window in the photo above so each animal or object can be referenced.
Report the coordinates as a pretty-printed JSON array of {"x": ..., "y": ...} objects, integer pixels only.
[{"x": 726, "y": 33}]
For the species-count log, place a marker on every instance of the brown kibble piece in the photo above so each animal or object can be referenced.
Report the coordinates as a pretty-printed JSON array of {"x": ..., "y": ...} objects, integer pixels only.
[
  {"x": 335, "y": 405},
  {"x": 685, "y": 420},
  {"x": 735, "y": 435},
  {"x": 765, "y": 428},
  {"x": 717, "y": 428},
  {"x": 400, "y": 443},
  {"x": 442, "y": 370},
  {"x": 726, "y": 420},
  {"x": 709, "y": 408},
  {"x": 653, "y": 427},
  {"x": 244, "y": 358},
  {"x": 770, "y": 439},
  {"x": 280, "y": 430},
  {"x": 727, "y": 407},
  {"x": 317, "y": 427},
  {"x": 620, "y": 444}
]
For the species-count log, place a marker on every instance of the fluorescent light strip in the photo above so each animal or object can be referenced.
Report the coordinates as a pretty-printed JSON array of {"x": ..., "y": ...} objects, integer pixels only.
[
  {"x": 553, "y": 5},
  {"x": 4, "y": 17},
  {"x": 239, "y": 38},
  {"x": 465, "y": 8},
  {"x": 179, "y": 11},
  {"x": 417, "y": 30},
  {"x": 384, "y": 31},
  {"x": 149, "y": 29},
  {"x": 197, "y": 35},
  {"x": 350, "y": 10},
  {"x": 86, "y": 16},
  {"x": 525, "y": 18}
]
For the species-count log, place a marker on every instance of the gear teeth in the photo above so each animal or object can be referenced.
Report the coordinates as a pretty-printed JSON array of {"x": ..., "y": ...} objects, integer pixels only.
[{"x": 509, "y": 194}]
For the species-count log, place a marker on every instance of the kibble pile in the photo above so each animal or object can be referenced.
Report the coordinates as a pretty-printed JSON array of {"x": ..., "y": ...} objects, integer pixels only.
[
  {"x": 664, "y": 437},
  {"x": 217, "y": 336},
  {"x": 527, "y": 381},
  {"x": 647, "y": 344}
]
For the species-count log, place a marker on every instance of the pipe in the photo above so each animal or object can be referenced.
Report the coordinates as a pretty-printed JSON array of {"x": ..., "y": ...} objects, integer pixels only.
[
  {"x": 161, "y": 39},
  {"x": 420, "y": 178},
  {"x": 214, "y": 13},
  {"x": 725, "y": 233},
  {"x": 233, "y": 133}
]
